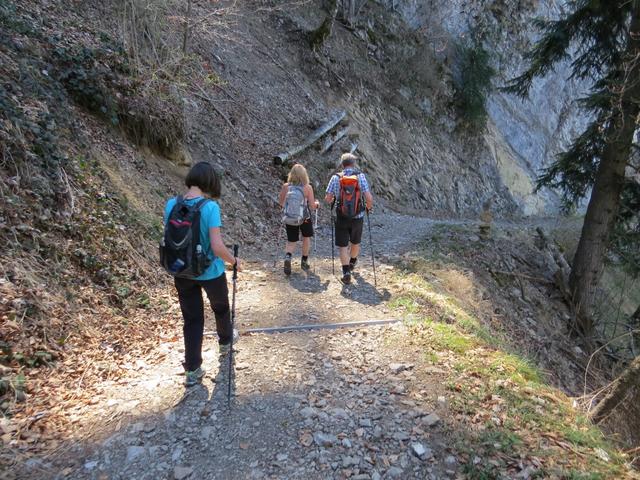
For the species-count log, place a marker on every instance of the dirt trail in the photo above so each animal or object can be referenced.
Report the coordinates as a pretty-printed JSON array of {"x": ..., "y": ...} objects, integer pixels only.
[{"x": 350, "y": 403}]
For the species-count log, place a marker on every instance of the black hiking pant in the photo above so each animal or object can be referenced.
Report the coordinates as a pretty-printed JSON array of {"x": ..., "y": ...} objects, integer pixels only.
[{"x": 192, "y": 306}]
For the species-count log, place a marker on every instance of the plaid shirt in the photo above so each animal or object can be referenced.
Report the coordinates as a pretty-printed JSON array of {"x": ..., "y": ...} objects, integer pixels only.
[{"x": 334, "y": 185}]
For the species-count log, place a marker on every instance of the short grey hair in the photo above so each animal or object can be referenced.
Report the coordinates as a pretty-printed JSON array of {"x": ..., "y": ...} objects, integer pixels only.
[{"x": 348, "y": 159}]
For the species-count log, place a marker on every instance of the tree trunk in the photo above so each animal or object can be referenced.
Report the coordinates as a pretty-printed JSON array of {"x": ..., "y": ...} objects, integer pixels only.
[
  {"x": 605, "y": 197},
  {"x": 323, "y": 32},
  {"x": 629, "y": 379},
  {"x": 285, "y": 157}
]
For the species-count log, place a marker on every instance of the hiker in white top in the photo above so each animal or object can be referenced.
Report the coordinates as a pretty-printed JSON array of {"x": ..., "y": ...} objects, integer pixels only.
[{"x": 297, "y": 201}]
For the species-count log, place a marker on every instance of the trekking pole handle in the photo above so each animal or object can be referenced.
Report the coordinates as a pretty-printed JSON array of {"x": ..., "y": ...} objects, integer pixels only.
[{"x": 235, "y": 263}]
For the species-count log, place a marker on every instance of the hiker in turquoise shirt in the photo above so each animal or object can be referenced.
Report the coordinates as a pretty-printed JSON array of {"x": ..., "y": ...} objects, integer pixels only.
[{"x": 203, "y": 183}]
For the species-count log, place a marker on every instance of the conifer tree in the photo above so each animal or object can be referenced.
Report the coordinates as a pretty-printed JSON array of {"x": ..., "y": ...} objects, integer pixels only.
[{"x": 602, "y": 39}]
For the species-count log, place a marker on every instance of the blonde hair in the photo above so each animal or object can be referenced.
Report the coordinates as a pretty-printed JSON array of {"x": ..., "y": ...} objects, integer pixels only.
[{"x": 298, "y": 175}]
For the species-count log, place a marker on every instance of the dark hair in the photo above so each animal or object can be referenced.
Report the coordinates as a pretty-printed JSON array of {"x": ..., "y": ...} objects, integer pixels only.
[{"x": 204, "y": 176}]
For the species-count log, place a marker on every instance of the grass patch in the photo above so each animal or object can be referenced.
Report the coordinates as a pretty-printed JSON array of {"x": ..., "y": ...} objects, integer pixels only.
[
  {"x": 405, "y": 304},
  {"x": 422, "y": 294},
  {"x": 448, "y": 337},
  {"x": 518, "y": 370},
  {"x": 504, "y": 409}
]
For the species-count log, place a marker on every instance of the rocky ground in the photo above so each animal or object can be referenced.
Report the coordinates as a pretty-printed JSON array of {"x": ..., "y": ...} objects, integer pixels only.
[
  {"x": 400, "y": 400},
  {"x": 331, "y": 403}
]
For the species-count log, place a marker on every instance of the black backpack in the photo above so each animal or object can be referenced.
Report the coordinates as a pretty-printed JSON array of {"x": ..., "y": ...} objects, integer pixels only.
[{"x": 181, "y": 251}]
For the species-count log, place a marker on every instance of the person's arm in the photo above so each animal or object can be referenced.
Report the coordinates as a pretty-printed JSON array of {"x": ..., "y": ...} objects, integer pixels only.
[
  {"x": 366, "y": 190},
  {"x": 220, "y": 249},
  {"x": 311, "y": 200},
  {"x": 369, "y": 199},
  {"x": 283, "y": 194},
  {"x": 330, "y": 196}
]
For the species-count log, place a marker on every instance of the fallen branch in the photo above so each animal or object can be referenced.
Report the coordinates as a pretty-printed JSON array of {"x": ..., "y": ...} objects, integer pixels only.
[
  {"x": 284, "y": 157},
  {"x": 522, "y": 275},
  {"x": 206, "y": 97},
  {"x": 331, "y": 140}
]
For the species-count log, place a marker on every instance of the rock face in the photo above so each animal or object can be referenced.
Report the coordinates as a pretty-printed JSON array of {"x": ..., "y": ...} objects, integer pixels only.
[{"x": 523, "y": 136}]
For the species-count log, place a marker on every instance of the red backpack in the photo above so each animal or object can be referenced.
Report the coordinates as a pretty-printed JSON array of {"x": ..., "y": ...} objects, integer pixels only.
[{"x": 350, "y": 199}]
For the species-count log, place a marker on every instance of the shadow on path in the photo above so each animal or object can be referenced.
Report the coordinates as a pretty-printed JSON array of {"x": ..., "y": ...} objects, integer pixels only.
[
  {"x": 308, "y": 282},
  {"x": 363, "y": 292}
]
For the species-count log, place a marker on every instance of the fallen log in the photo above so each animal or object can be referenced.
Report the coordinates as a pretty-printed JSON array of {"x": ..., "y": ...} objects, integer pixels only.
[
  {"x": 284, "y": 157},
  {"x": 331, "y": 140}
]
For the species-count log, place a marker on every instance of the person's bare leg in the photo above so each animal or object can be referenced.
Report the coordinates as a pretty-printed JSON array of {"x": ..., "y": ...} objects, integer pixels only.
[
  {"x": 344, "y": 255},
  {"x": 290, "y": 247},
  {"x": 355, "y": 250},
  {"x": 306, "y": 246}
]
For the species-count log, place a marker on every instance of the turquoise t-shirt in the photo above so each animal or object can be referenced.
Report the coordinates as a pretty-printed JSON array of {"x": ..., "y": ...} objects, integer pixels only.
[{"x": 209, "y": 218}]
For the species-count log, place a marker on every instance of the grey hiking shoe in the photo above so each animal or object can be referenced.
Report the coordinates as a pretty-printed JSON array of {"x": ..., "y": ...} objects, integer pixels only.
[
  {"x": 287, "y": 265},
  {"x": 346, "y": 278},
  {"x": 193, "y": 377},
  {"x": 304, "y": 265},
  {"x": 224, "y": 349}
]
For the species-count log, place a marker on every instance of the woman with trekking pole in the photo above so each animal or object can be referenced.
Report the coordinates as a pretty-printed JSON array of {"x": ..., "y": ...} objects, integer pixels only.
[
  {"x": 194, "y": 252},
  {"x": 297, "y": 200}
]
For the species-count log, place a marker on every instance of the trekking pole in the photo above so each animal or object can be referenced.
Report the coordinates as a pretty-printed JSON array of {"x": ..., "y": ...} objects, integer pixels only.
[
  {"x": 234, "y": 280},
  {"x": 373, "y": 258},
  {"x": 333, "y": 253},
  {"x": 315, "y": 241}
]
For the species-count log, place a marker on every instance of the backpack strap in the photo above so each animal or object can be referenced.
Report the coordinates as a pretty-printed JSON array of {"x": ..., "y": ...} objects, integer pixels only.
[
  {"x": 201, "y": 203},
  {"x": 179, "y": 201}
]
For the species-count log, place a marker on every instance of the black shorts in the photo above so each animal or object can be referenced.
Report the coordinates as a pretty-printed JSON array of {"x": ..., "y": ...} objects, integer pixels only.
[
  {"x": 293, "y": 231},
  {"x": 348, "y": 231}
]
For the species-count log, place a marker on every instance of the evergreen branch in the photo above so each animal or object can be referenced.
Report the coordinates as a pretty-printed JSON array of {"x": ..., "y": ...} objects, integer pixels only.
[
  {"x": 574, "y": 171},
  {"x": 593, "y": 33}
]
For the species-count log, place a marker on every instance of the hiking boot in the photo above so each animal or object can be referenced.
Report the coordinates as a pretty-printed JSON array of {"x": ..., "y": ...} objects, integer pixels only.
[
  {"x": 346, "y": 278},
  {"x": 193, "y": 377},
  {"x": 304, "y": 265},
  {"x": 352, "y": 264},
  {"x": 224, "y": 349},
  {"x": 287, "y": 265}
]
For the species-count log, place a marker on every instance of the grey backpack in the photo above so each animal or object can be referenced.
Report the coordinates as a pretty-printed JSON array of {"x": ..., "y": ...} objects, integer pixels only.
[{"x": 294, "y": 211}]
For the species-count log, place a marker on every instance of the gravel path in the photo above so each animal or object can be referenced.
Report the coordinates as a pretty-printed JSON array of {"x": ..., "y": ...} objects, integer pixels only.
[{"x": 358, "y": 403}]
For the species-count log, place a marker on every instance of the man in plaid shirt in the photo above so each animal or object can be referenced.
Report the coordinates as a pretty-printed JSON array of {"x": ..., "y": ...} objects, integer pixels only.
[{"x": 348, "y": 231}]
